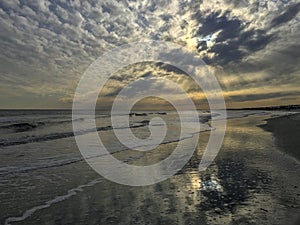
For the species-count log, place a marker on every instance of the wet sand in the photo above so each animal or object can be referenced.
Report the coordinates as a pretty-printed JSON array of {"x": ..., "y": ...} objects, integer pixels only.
[
  {"x": 286, "y": 132},
  {"x": 250, "y": 182}
]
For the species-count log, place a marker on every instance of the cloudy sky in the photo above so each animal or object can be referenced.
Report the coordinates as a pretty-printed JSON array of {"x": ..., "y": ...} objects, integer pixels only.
[{"x": 252, "y": 46}]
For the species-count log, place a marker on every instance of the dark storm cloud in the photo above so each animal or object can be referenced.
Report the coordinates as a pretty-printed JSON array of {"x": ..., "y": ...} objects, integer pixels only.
[
  {"x": 218, "y": 21},
  {"x": 281, "y": 64},
  {"x": 234, "y": 41},
  {"x": 288, "y": 15},
  {"x": 242, "y": 45}
]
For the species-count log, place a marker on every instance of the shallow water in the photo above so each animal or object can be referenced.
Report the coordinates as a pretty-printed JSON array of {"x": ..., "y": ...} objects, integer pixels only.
[{"x": 47, "y": 182}]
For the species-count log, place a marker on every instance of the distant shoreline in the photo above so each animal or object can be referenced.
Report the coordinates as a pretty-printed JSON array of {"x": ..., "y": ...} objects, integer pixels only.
[
  {"x": 273, "y": 108},
  {"x": 278, "y": 107},
  {"x": 286, "y": 130}
]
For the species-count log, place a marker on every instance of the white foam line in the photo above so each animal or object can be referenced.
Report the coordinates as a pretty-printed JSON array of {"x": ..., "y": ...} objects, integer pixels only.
[{"x": 57, "y": 199}]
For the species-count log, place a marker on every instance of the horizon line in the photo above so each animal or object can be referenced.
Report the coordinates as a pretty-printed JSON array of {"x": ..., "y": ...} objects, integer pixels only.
[{"x": 70, "y": 109}]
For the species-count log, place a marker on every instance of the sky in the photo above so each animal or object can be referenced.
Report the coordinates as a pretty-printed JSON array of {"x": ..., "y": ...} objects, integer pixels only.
[{"x": 252, "y": 46}]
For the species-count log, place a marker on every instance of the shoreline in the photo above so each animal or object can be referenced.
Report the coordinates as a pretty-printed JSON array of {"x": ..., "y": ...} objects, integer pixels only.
[{"x": 285, "y": 130}]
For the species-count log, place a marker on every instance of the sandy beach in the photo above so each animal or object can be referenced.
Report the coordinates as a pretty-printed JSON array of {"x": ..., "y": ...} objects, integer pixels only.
[{"x": 286, "y": 130}]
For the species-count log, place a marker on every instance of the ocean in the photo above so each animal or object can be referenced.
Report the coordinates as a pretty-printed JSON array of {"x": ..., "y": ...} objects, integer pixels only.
[{"x": 44, "y": 179}]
